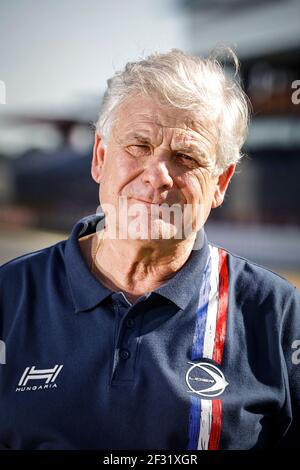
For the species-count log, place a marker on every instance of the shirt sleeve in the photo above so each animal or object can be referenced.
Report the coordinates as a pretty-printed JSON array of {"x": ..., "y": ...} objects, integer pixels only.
[{"x": 290, "y": 342}]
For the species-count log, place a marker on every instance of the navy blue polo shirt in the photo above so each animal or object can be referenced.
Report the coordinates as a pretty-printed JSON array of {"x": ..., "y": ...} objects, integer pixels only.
[{"x": 209, "y": 360}]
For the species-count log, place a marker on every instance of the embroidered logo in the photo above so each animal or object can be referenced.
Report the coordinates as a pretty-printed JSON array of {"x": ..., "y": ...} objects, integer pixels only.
[
  {"x": 48, "y": 376},
  {"x": 205, "y": 379}
]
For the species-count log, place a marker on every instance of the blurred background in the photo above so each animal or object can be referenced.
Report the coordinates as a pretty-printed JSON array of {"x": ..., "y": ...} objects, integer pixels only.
[{"x": 55, "y": 58}]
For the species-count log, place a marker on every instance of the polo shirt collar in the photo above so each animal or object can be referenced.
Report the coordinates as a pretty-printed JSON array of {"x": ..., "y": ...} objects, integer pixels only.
[{"x": 87, "y": 291}]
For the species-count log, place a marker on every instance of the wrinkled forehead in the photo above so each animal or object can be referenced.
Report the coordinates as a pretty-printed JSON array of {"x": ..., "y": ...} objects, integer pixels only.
[{"x": 147, "y": 115}]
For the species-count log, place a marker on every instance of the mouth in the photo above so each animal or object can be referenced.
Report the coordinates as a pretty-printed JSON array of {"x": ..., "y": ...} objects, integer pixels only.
[
  {"x": 159, "y": 203},
  {"x": 143, "y": 201}
]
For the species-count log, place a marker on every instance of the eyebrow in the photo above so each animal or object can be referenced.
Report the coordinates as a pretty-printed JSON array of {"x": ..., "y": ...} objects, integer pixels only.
[
  {"x": 145, "y": 139},
  {"x": 141, "y": 138},
  {"x": 195, "y": 150}
]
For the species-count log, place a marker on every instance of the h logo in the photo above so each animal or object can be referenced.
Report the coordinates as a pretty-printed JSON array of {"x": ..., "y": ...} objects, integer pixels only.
[{"x": 31, "y": 373}]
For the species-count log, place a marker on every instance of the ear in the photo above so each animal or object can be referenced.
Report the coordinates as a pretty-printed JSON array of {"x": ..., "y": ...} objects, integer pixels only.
[
  {"x": 222, "y": 184},
  {"x": 98, "y": 158}
]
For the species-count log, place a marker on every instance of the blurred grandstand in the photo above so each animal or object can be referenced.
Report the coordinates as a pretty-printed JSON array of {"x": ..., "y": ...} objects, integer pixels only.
[{"x": 45, "y": 157}]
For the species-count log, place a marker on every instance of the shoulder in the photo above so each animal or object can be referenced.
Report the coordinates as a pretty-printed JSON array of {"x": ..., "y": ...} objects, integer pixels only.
[
  {"x": 31, "y": 264},
  {"x": 25, "y": 281},
  {"x": 256, "y": 283}
]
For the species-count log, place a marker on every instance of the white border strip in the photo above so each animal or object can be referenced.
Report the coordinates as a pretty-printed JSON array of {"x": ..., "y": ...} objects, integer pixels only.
[{"x": 212, "y": 309}]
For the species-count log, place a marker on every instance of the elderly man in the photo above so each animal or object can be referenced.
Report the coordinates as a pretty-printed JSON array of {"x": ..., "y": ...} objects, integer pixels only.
[{"x": 136, "y": 333}]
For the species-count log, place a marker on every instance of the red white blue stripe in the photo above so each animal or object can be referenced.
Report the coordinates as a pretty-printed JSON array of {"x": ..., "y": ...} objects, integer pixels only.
[{"x": 209, "y": 339}]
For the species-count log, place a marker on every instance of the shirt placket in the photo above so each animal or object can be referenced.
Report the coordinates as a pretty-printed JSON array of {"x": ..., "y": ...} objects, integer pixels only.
[{"x": 128, "y": 325}]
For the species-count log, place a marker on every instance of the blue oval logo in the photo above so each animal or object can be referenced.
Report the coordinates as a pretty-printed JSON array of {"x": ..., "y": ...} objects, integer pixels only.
[{"x": 205, "y": 379}]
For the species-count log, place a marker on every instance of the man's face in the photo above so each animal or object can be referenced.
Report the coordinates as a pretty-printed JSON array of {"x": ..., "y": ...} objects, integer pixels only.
[{"x": 158, "y": 155}]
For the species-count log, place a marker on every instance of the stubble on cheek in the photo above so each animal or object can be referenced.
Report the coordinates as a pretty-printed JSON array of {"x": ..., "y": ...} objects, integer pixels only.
[{"x": 197, "y": 190}]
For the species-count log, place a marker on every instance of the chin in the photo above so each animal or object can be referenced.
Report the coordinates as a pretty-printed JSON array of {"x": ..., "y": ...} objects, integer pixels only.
[{"x": 157, "y": 230}]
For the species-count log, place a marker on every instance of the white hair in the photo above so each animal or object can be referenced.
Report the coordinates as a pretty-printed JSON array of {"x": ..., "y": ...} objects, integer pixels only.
[{"x": 186, "y": 82}]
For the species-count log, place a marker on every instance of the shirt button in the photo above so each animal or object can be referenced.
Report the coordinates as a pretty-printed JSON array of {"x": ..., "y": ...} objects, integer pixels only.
[
  {"x": 130, "y": 322},
  {"x": 124, "y": 354}
]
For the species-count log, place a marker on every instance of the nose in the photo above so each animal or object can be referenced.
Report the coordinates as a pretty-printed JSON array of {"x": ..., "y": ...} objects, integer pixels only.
[{"x": 157, "y": 174}]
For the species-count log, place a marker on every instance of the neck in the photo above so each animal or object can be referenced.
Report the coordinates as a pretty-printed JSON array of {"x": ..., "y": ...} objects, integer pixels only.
[{"x": 136, "y": 266}]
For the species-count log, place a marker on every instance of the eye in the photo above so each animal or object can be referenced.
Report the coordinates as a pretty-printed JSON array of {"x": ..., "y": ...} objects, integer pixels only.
[
  {"x": 186, "y": 158},
  {"x": 138, "y": 150}
]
